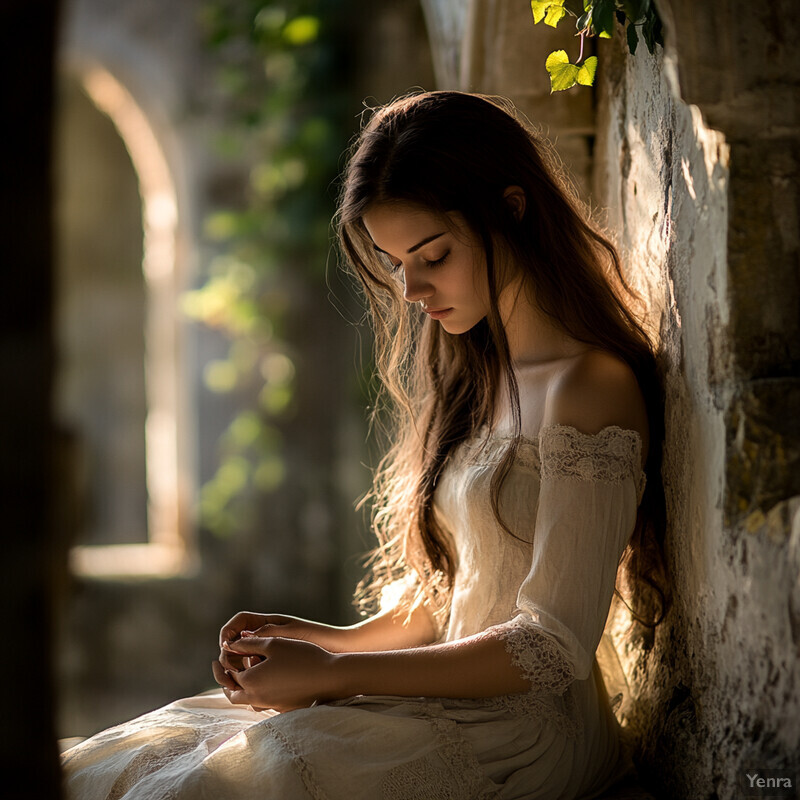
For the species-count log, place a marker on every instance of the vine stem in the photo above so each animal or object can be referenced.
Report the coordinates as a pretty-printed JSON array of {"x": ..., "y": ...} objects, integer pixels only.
[{"x": 583, "y": 36}]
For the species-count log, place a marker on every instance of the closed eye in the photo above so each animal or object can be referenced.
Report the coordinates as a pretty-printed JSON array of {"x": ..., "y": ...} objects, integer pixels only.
[{"x": 438, "y": 262}]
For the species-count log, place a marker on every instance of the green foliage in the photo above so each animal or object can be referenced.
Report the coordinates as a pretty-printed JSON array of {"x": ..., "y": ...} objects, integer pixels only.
[
  {"x": 595, "y": 18},
  {"x": 563, "y": 75},
  {"x": 279, "y": 79}
]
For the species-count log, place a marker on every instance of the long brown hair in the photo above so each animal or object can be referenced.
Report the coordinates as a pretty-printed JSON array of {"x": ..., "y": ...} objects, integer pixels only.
[{"x": 457, "y": 152}]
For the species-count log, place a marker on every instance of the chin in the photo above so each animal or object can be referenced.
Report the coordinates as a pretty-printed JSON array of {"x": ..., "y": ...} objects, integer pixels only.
[{"x": 457, "y": 328}]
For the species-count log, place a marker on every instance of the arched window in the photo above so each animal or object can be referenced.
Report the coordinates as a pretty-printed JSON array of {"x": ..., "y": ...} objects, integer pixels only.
[{"x": 119, "y": 378}]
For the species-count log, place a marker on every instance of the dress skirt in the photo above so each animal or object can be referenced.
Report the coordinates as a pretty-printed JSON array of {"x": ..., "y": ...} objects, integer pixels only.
[{"x": 363, "y": 748}]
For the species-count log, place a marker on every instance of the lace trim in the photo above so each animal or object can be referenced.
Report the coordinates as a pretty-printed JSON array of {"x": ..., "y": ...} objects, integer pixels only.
[
  {"x": 423, "y": 779},
  {"x": 299, "y": 763},
  {"x": 539, "y": 657},
  {"x": 611, "y": 455},
  {"x": 544, "y": 664},
  {"x": 416, "y": 780}
]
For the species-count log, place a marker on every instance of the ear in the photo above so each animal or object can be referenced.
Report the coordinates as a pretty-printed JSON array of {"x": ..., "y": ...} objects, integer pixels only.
[{"x": 515, "y": 197}]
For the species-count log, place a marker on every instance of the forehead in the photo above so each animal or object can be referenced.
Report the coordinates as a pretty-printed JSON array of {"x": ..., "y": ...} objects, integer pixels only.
[
  {"x": 395, "y": 219},
  {"x": 397, "y": 227}
]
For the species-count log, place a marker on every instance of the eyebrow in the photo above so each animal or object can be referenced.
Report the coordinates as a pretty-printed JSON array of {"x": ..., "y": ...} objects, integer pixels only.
[{"x": 417, "y": 246}]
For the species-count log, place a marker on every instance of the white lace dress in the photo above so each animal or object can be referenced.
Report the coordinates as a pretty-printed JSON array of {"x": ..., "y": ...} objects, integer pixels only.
[{"x": 571, "y": 498}]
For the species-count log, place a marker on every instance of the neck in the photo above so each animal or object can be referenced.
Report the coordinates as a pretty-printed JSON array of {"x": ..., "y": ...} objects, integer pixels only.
[{"x": 532, "y": 338}]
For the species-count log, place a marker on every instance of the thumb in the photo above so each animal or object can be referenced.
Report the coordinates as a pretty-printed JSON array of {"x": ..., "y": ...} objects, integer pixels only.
[{"x": 251, "y": 645}]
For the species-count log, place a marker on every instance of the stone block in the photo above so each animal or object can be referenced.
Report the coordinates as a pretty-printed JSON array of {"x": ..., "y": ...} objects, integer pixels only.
[
  {"x": 763, "y": 454},
  {"x": 764, "y": 256}
]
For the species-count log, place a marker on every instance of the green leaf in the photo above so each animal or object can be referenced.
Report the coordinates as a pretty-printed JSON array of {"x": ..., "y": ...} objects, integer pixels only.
[
  {"x": 554, "y": 15},
  {"x": 545, "y": 8},
  {"x": 632, "y": 37},
  {"x": 603, "y": 18},
  {"x": 539, "y": 9},
  {"x": 587, "y": 71},
  {"x": 301, "y": 30},
  {"x": 563, "y": 75}
]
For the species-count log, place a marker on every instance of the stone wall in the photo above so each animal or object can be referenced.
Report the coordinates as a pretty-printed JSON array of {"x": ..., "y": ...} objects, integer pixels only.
[
  {"x": 693, "y": 155},
  {"x": 720, "y": 692},
  {"x": 722, "y": 666}
]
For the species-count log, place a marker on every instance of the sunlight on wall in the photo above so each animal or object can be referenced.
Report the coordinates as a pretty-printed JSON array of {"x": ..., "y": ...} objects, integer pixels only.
[{"x": 166, "y": 553}]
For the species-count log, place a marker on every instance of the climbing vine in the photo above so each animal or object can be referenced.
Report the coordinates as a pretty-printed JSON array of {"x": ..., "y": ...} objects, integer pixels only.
[
  {"x": 280, "y": 69},
  {"x": 639, "y": 18}
]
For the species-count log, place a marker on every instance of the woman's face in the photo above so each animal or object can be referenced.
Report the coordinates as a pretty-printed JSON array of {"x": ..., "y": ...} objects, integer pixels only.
[{"x": 439, "y": 260}]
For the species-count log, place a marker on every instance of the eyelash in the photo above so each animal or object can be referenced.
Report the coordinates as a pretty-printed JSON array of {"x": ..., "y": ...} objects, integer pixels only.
[
  {"x": 395, "y": 268},
  {"x": 438, "y": 262}
]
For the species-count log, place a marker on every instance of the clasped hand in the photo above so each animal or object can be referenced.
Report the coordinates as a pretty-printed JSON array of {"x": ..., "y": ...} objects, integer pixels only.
[{"x": 265, "y": 662}]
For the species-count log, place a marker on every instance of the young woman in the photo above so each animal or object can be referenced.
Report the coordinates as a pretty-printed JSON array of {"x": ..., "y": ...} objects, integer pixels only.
[{"x": 527, "y": 414}]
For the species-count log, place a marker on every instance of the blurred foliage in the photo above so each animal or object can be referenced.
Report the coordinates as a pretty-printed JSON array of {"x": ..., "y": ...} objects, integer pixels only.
[
  {"x": 595, "y": 18},
  {"x": 280, "y": 78}
]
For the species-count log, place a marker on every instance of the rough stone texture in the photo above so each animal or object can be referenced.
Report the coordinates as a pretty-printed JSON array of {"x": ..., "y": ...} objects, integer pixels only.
[{"x": 710, "y": 218}]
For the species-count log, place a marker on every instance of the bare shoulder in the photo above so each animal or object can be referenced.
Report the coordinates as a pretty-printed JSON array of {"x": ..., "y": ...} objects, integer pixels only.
[{"x": 594, "y": 391}]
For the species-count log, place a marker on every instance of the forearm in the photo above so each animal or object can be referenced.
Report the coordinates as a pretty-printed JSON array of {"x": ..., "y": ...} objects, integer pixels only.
[
  {"x": 478, "y": 666},
  {"x": 389, "y": 630}
]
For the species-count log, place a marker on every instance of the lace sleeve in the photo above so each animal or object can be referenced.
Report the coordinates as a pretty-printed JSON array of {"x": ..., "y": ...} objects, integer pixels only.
[
  {"x": 611, "y": 456},
  {"x": 590, "y": 487},
  {"x": 540, "y": 658}
]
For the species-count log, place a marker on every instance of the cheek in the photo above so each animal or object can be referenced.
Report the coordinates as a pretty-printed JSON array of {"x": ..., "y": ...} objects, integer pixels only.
[{"x": 480, "y": 282}]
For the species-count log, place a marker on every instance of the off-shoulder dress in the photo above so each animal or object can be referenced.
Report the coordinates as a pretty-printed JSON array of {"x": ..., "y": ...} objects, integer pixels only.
[{"x": 571, "y": 500}]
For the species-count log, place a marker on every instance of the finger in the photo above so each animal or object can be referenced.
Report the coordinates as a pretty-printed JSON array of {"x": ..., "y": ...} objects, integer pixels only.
[
  {"x": 238, "y": 697},
  {"x": 244, "y": 620},
  {"x": 251, "y": 645},
  {"x": 223, "y": 677},
  {"x": 264, "y": 632},
  {"x": 230, "y": 660}
]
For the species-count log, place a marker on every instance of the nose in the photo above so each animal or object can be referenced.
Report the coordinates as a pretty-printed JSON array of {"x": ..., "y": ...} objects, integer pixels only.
[{"x": 417, "y": 286}]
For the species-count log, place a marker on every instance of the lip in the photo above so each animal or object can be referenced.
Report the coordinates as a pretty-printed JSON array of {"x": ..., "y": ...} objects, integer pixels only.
[{"x": 437, "y": 313}]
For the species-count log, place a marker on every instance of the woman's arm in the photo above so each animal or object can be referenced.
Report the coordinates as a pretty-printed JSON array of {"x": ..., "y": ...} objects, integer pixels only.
[
  {"x": 395, "y": 629},
  {"x": 476, "y": 666},
  {"x": 293, "y": 674},
  {"x": 389, "y": 630}
]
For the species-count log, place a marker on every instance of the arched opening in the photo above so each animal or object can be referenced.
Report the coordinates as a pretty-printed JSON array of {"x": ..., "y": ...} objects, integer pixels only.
[{"x": 117, "y": 392}]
